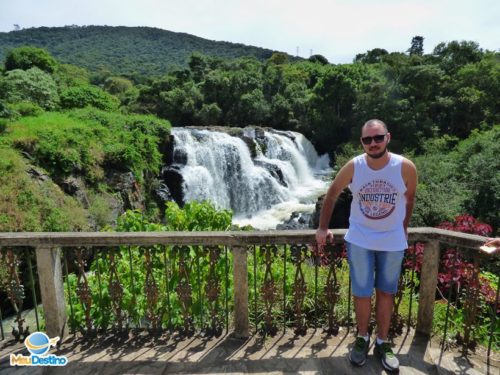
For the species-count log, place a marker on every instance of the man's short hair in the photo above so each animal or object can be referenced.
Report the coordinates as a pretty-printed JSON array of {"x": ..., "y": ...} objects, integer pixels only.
[{"x": 374, "y": 122}]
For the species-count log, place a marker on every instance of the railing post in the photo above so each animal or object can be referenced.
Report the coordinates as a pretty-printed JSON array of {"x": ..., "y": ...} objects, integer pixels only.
[
  {"x": 428, "y": 284},
  {"x": 52, "y": 290},
  {"x": 240, "y": 277}
]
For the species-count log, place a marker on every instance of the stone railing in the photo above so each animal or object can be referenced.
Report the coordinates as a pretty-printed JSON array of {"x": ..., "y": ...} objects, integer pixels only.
[{"x": 50, "y": 268}]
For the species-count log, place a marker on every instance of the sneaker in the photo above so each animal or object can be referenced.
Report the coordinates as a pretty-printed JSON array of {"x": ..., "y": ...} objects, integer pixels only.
[
  {"x": 359, "y": 352},
  {"x": 387, "y": 357}
]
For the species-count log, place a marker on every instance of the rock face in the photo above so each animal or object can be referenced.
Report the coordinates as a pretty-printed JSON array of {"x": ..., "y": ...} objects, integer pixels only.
[
  {"x": 75, "y": 186},
  {"x": 171, "y": 186},
  {"x": 341, "y": 211},
  {"x": 126, "y": 185}
]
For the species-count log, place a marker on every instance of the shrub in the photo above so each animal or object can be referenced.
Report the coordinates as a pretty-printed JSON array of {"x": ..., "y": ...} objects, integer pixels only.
[
  {"x": 83, "y": 96},
  {"x": 32, "y": 85},
  {"x": 27, "y": 109}
]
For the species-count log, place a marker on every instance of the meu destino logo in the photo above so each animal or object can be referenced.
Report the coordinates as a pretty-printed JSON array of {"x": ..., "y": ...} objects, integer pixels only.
[{"x": 38, "y": 344}]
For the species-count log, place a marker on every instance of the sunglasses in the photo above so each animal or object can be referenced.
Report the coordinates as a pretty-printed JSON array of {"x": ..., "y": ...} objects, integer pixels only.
[{"x": 377, "y": 138}]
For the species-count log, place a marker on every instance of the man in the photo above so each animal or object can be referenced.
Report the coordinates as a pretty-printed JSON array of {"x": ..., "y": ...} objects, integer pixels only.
[{"x": 383, "y": 185}]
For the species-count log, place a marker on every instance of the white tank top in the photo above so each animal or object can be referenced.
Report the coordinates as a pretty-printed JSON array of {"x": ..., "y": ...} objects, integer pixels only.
[{"x": 378, "y": 206}]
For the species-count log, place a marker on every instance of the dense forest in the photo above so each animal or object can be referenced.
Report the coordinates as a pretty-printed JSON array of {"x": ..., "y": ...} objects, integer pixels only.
[
  {"x": 62, "y": 123},
  {"x": 137, "y": 51}
]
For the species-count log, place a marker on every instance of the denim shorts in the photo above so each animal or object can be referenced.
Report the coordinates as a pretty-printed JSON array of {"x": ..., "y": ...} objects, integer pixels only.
[{"x": 373, "y": 268}]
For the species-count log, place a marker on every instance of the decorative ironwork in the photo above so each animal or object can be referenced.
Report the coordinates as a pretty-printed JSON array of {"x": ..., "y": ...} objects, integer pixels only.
[
  {"x": 82, "y": 287},
  {"x": 471, "y": 306},
  {"x": 183, "y": 288},
  {"x": 333, "y": 258},
  {"x": 268, "y": 289},
  {"x": 212, "y": 288},
  {"x": 152, "y": 291},
  {"x": 115, "y": 290},
  {"x": 299, "y": 287},
  {"x": 15, "y": 291}
]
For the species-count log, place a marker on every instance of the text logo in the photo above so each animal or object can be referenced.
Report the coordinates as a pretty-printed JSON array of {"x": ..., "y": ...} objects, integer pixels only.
[{"x": 38, "y": 344}]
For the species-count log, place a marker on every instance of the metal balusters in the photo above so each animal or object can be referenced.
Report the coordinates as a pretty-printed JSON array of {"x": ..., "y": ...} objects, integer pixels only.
[
  {"x": 103, "y": 323},
  {"x": 226, "y": 295},
  {"x": 454, "y": 256},
  {"x": 32, "y": 287},
  {"x": 255, "y": 287},
  {"x": 15, "y": 291},
  {"x": 332, "y": 289},
  {"x": 212, "y": 289},
  {"x": 268, "y": 289},
  {"x": 298, "y": 253},
  {"x": 411, "y": 285},
  {"x": 494, "y": 317},
  {"x": 151, "y": 290},
  {"x": 471, "y": 305},
  {"x": 183, "y": 288},
  {"x": 69, "y": 293},
  {"x": 284, "y": 289},
  {"x": 167, "y": 287},
  {"x": 82, "y": 288},
  {"x": 132, "y": 315},
  {"x": 1, "y": 325},
  {"x": 115, "y": 289}
]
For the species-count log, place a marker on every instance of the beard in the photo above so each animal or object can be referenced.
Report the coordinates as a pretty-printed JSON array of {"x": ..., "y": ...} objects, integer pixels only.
[{"x": 378, "y": 155}]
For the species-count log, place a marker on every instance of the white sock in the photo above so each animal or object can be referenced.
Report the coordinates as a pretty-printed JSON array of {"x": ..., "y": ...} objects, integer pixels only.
[
  {"x": 379, "y": 341},
  {"x": 367, "y": 337}
]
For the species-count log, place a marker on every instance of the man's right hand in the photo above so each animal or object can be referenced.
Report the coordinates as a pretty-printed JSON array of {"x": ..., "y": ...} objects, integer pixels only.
[{"x": 323, "y": 237}]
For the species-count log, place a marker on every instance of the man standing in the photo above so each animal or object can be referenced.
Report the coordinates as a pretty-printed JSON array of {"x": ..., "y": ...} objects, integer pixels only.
[{"x": 383, "y": 186}]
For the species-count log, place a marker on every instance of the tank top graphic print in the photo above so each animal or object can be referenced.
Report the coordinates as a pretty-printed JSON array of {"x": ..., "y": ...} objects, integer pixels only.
[{"x": 377, "y": 199}]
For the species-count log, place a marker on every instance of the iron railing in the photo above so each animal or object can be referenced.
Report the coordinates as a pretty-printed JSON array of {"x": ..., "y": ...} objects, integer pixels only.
[{"x": 245, "y": 282}]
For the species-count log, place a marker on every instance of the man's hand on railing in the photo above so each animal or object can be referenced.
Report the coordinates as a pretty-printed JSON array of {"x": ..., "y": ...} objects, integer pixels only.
[
  {"x": 492, "y": 246},
  {"x": 324, "y": 236}
]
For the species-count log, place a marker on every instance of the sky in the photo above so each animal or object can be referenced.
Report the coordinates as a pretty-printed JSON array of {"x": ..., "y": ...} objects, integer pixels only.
[{"x": 336, "y": 29}]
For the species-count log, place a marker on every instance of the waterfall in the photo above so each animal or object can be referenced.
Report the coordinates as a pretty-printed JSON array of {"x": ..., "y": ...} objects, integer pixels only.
[{"x": 252, "y": 173}]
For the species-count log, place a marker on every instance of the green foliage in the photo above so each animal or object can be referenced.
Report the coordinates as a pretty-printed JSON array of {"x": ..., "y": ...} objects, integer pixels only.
[
  {"x": 31, "y": 203},
  {"x": 28, "y": 57},
  {"x": 83, "y": 96},
  {"x": 32, "y": 85},
  {"x": 477, "y": 167},
  {"x": 209, "y": 114},
  {"x": 131, "y": 266},
  {"x": 84, "y": 142},
  {"x": 457, "y": 177},
  {"x": 196, "y": 216},
  {"x": 68, "y": 75},
  {"x": 26, "y": 109}
]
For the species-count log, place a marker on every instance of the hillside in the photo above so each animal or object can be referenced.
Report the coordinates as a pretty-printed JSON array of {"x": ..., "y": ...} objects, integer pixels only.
[{"x": 124, "y": 50}]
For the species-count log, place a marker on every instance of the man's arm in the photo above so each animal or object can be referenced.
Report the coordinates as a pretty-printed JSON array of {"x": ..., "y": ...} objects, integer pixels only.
[
  {"x": 410, "y": 178},
  {"x": 340, "y": 182}
]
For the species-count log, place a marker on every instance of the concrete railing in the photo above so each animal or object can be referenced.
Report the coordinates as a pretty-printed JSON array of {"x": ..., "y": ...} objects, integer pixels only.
[{"x": 48, "y": 255}]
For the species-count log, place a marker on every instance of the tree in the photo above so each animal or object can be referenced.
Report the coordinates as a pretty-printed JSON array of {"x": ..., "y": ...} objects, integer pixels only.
[
  {"x": 454, "y": 55},
  {"x": 372, "y": 56},
  {"x": 33, "y": 85},
  {"x": 209, "y": 114},
  {"x": 417, "y": 46},
  {"x": 28, "y": 57},
  {"x": 278, "y": 58},
  {"x": 320, "y": 59}
]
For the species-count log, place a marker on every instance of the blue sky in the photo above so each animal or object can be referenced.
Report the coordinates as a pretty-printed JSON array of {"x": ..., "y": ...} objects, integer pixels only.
[{"x": 337, "y": 29}]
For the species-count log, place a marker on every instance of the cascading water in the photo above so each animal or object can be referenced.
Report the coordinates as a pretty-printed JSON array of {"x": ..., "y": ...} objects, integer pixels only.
[{"x": 263, "y": 176}]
